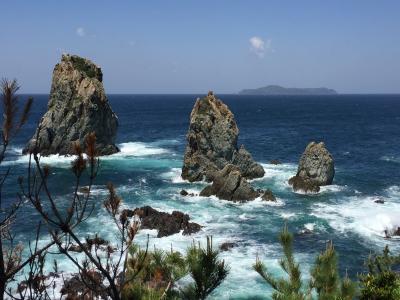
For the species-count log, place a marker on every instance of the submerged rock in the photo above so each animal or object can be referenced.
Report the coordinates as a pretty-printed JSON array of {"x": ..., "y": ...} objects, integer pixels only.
[
  {"x": 230, "y": 184},
  {"x": 268, "y": 196},
  {"x": 77, "y": 106},
  {"x": 228, "y": 246},
  {"x": 212, "y": 143},
  {"x": 275, "y": 162},
  {"x": 184, "y": 193},
  {"x": 166, "y": 224},
  {"x": 316, "y": 168}
]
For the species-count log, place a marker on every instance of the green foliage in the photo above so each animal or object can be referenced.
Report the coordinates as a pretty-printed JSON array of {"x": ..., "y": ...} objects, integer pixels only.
[
  {"x": 290, "y": 288},
  {"x": 206, "y": 270},
  {"x": 381, "y": 282},
  {"x": 81, "y": 65},
  {"x": 155, "y": 273},
  {"x": 325, "y": 280}
]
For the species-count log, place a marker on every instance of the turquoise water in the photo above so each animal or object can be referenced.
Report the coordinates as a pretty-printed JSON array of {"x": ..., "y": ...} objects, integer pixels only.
[{"x": 361, "y": 132}]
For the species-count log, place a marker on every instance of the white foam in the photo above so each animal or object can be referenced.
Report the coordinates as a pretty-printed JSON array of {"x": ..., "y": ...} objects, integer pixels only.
[
  {"x": 288, "y": 215},
  {"x": 323, "y": 190},
  {"x": 278, "y": 175},
  {"x": 16, "y": 150},
  {"x": 390, "y": 158},
  {"x": 279, "y": 171},
  {"x": 332, "y": 188},
  {"x": 130, "y": 149},
  {"x": 309, "y": 226},
  {"x": 139, "y": 149},
  {"x": 393, "y": 191},
  {"x": 301, "y": 192},
  {"x": 361, "y": 215},
  {"x": 53, "y": 160},
  {"x": 259, "y": 202},
  {"x": 174, "y": 175}
]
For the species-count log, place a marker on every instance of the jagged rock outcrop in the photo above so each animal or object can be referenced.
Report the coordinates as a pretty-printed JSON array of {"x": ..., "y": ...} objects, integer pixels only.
[
  {"x": 212, "y": 143},
  {"x": 316, "y": 168},
  {"x": 165, "y": 223},
  {"x": 230, "y": 184},
  {"x": 77, "y": 106}
]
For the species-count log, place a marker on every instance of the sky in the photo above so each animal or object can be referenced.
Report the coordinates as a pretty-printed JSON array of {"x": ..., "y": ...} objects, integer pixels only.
[{"x": 195, "y": 46}]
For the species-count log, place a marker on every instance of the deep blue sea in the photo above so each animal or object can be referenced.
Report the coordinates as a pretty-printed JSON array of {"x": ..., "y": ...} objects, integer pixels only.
[{"x": 361, "y": 131}]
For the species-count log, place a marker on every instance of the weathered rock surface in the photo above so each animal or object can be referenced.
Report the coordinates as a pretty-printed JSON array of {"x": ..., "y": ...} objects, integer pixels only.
[
  {"x": 305, "y": 185},
  {"x": 230, "y": 184},
  {"x": 166, "y": 224},
  {"x": 77, "y": 106},
  {"x": 212, "y": 143},
  {"x": 316, "y": 168}
]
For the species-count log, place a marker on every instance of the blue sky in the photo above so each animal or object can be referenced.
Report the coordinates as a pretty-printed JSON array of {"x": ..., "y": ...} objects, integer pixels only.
[{"x": 194, "y": 46}]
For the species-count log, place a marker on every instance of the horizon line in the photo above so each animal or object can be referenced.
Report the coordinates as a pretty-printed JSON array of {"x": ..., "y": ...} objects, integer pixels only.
[{"x": 236, "y": 94}]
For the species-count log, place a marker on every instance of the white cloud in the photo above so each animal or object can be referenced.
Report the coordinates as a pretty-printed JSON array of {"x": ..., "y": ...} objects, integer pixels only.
[
  {"x": 259, "y": 46},
  {"x": 80, "y": 31}
]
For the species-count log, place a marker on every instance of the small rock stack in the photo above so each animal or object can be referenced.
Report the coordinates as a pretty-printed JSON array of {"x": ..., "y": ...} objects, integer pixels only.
[
  {"x": 212, "y": 143},
  {"x": 316, "y": 168}
]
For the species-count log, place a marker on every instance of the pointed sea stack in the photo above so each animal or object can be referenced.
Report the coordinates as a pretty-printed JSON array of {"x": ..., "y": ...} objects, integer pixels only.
[
  {"x": 212, "y": 143},
  {"x": 77, "y": 106},
  {"x": 316, "y": 168}
]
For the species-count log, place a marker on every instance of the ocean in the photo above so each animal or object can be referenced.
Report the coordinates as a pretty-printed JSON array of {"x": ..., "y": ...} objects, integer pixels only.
[{"x": 360, "y": 131}]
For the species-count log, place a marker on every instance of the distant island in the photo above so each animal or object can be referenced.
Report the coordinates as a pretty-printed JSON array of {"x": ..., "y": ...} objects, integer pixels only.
[{"x": 279, "y": 90}]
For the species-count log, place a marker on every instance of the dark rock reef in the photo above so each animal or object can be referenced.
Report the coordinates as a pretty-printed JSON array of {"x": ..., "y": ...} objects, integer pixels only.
[
  {"x": 230, "y": 184},
  {"x": 77, "y": 106},
  {"x": 212, "y": 143},
  {"x": 166, "y": 224},
  {"x": 316, "y": 168}
]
